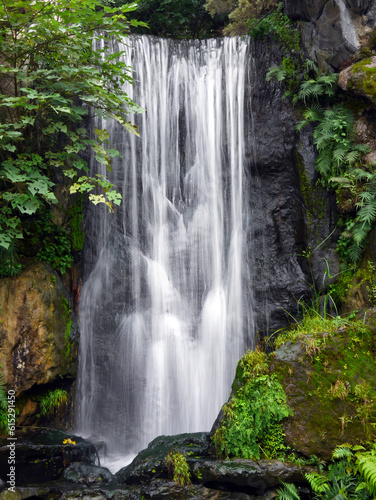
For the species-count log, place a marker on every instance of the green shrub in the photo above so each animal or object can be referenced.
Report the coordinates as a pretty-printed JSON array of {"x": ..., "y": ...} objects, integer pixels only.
[
  {"x": 251, "y": 426},
  {"x": 279, "y": 27},
  {"x": 178, "y": 468},
  {"x": 53, "y": 242}
]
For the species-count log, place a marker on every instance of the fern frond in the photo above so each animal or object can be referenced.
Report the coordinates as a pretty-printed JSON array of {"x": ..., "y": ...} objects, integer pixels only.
[
  {"x": 288, "y": 492},
  {"x": 318, "y": 483},
  {"x": 360, "y": 232},
  {"x": 361, "y": 486},
  {"x": 366, "y": 464},
  {"x": 305, "y": 90},
  {"x": 360, "y": 174},
  {"x": 344, "y": 181},
  {"x": 352, "y": 156},
  {"x": 365, "y": 197},
  {"x": 324, "y": 162},
  {"x": 367, "y": 213},
  {"x": 363, "y": 148},
  {"x": 312, "y": 66},
  {"x": 355, "y": 252},
  {"x": 276, "y": 72},
  {"x": 343, "y": 451},
  {"x": 314, "y": 113},
  {"x": 359, "y": 447},
  {"x": 339, "y": 154}
]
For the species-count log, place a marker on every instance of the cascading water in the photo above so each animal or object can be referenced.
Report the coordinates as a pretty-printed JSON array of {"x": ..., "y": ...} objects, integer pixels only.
[{"x": 166, "y": 306}]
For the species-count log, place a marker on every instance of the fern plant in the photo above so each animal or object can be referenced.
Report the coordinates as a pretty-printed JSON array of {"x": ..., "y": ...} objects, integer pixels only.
[
  {"x": 287, "y": 492},
  {"x": 318, "y": 87},
  {"x": 9, "y": 265},
  {"x": 339, "y": 160},
  {"x": 352, "y": 475}
]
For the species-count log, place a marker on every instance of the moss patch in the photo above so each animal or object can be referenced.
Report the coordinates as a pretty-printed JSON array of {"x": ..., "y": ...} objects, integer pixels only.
[
  {"x": 319, "y": 386},
  {"x": 330, "y": 385},
  {"x": 363, "y": 78}
]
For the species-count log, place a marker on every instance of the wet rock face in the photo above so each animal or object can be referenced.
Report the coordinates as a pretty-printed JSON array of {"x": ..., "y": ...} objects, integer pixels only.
[
  {"x": 83, "y": 473},
  {"x": 36, "y": 324},
  {"x": 289, "y": 212},
  {"x": 237, "y": 478},
  {"x": 359, "y": 6},
  {"x": 332, "y": 29},
  {"x": 42, "y": 455}
]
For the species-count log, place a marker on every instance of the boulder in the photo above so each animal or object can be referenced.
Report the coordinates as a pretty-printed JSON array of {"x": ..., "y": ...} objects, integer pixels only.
[
  {"x": 321, "y": 376},
  {"x": 332, "y": 30},
  {"x": 360, "y": 78},
  {"x": 83, "y": 473},
  {"x": 151, "y": 462},
  {"x": 37, "y": 336},
  {"x": 330, "y": 385},
  {"x": 236, "y": 478},
  {"x": 42, "y": 455}
]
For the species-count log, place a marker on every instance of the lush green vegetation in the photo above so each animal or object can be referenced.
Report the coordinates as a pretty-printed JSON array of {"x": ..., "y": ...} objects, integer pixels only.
[
  {"x": 53, "y": 401},
  {"x": 340, "y": 157},
  {"x": 278, "y": 27},
  {"x": 178, "y": 19},
  {"x": 350, "y": 475},
  {"x": 178, "y": 468},
  {"x": 340, "y": 164},
  {"x": 240, "y": 12},
  {"x": 50, "y": 74},
  {"x": 252, "y": 427}
]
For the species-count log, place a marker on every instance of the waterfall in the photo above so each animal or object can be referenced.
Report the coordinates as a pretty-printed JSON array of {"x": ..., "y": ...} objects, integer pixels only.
[{"x": 166, "y": 309}]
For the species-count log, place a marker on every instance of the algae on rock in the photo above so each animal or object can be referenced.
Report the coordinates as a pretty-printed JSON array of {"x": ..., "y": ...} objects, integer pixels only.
[{"x": 36, "y": 352}]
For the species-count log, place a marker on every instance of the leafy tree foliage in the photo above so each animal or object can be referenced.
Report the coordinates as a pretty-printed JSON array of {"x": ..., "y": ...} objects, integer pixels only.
[
  {"x": 175, "y": 18},
  {"x": 53, "y": 80},
  {"x": 240, "y": 12}
]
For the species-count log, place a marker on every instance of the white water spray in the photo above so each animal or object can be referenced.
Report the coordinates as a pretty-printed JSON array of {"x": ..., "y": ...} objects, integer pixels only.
[{"x": 166, "y": 309}]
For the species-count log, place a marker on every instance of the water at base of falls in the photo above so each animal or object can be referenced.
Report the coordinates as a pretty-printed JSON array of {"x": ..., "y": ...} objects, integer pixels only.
[{"x": 166, "y": 307}]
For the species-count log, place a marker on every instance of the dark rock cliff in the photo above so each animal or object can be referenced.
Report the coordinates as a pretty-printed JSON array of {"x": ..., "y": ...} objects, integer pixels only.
[
  {"x": 333, "y": 30},
  {"x": 290, "y": 213}
]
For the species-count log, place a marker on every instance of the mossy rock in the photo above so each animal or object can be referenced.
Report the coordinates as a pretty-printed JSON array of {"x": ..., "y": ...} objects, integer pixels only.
[
  {"x": 360, "y": 78},
  {"x": 330, "y": 384},
  {"x": 329, "y": 379}
]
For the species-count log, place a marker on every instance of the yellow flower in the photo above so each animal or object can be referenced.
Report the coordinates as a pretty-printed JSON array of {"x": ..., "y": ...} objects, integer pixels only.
[{"x": 69, "y": 441}]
